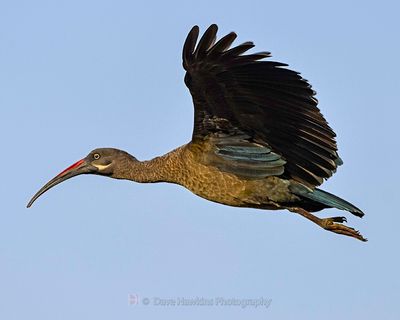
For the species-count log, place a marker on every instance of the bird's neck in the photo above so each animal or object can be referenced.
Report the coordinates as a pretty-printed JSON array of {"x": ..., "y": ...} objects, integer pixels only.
[{"x": 159, "y": 169}]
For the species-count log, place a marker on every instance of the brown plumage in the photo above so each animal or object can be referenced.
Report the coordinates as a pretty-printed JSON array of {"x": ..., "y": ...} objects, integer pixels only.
[{"x": 258, "y": 141}]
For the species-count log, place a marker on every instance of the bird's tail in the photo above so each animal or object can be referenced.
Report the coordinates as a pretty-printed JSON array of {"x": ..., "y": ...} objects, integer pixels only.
[{"x": 325, "y": 198}]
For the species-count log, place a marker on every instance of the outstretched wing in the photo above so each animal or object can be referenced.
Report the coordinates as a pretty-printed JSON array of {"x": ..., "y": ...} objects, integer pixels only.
[{"x": 262, "y": 114}]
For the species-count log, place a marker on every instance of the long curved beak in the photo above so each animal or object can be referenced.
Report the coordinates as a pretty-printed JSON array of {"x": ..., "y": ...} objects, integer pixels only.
[{"x": 80, "y": 167}]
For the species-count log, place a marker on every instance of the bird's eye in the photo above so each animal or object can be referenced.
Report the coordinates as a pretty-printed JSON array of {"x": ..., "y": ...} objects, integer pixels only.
[{"x": 96, "y": 156}]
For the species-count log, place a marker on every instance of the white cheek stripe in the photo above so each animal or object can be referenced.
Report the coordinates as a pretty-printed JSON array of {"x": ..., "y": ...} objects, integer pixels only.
[{"x": 100, "y": 166}]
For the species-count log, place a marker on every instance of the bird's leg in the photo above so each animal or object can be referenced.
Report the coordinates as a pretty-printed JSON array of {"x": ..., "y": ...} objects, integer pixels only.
[{"x": 333, "y": 224}]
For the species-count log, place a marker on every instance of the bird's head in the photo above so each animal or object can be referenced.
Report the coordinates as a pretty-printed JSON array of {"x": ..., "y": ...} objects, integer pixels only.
[{"x": 101, "y": 161}]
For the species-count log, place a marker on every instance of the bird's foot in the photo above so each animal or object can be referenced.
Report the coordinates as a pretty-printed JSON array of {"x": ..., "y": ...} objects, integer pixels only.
[{"x": 334, "y": 224}]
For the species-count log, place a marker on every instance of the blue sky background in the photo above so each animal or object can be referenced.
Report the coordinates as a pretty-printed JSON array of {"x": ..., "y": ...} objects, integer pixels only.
[{"x": 75, "y": 75}]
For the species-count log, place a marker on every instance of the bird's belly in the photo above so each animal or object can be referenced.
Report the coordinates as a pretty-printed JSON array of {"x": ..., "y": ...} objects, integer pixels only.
[{"x": 218, "y": 186}]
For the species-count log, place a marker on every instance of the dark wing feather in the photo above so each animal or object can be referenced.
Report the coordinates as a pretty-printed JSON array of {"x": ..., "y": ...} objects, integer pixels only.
[
  {"x": 236, "y": 153},
  {"x": 236, "y": 94}
]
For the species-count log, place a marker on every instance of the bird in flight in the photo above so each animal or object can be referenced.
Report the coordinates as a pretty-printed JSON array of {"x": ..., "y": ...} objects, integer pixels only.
[{"x": 259, "y": 139}]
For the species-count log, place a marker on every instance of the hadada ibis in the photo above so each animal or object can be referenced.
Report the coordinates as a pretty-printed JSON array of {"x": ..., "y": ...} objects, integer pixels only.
[{"x": 259, "y": 139}]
